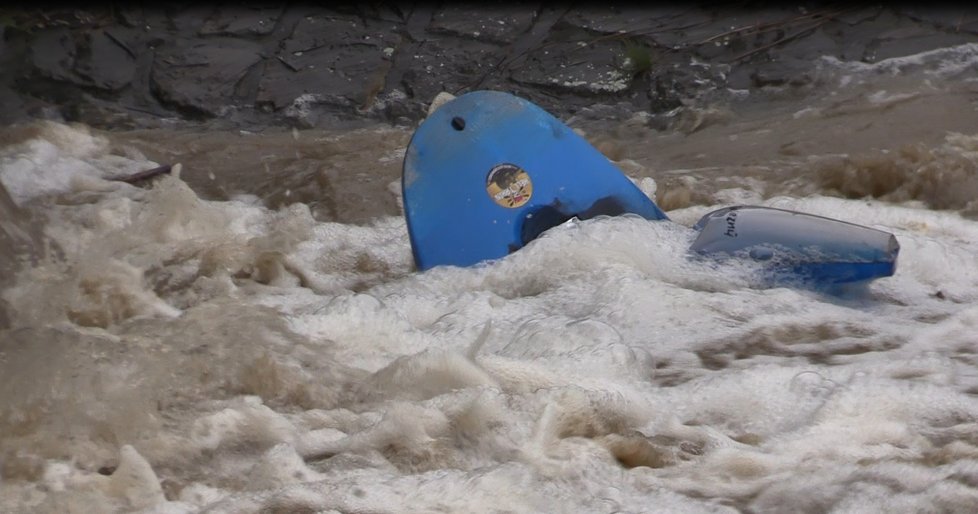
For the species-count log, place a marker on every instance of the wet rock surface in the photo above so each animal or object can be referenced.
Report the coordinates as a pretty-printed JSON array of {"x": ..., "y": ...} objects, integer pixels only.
[{"x": 310, "y": 66}]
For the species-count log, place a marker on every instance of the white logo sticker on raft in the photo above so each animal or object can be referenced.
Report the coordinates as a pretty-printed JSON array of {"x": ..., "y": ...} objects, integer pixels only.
[{"x": 509, "y": 185}]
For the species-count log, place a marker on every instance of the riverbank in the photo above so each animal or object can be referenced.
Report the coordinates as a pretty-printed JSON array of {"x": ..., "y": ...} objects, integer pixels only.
[{"x": 312, "y": 67}]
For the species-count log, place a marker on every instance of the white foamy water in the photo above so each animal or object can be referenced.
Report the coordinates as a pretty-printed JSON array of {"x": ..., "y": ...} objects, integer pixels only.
[
  {"x": 951, "y": 62},
  {"x": 184, "y": 355}
]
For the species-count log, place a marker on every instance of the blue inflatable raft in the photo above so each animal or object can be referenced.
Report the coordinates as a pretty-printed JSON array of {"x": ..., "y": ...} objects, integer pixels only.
[{"x": 488, "y": 172}]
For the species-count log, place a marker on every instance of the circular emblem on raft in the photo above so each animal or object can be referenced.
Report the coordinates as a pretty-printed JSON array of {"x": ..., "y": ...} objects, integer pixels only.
[{"x": 509, "y": 185}]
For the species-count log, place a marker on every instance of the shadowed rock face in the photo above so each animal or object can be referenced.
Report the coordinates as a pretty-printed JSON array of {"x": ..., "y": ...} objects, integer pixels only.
[{"x": 316, "y": 67}]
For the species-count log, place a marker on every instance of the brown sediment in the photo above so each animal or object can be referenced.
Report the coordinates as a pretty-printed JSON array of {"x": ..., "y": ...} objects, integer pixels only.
[
  {"x": 342, "y": 176},
  {"x": 943, "y": 177}
]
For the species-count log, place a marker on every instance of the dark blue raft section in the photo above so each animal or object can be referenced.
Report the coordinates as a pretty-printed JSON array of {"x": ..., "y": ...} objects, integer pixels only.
[{"x": 489, "y": 172}]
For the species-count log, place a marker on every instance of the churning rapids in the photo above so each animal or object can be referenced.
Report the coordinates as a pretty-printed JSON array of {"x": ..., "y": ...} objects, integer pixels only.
[{"x": 248, "y": 333}]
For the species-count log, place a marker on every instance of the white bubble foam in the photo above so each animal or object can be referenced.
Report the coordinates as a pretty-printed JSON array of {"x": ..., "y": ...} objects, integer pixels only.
[
  {"x": 942, "y": 62},
  {"x": 285, "y": 363},
  {"x": 63, "y": 158}
]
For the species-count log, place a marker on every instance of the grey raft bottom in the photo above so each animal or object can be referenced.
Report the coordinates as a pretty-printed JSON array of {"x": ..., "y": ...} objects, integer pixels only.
[{"x": 794, "y": 244}]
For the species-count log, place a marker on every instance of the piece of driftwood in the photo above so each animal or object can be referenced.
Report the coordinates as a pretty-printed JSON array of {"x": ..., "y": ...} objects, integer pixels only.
[{"x": 143, "y": 175}]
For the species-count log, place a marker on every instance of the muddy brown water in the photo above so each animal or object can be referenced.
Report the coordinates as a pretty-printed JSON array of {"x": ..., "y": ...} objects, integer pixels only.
[
  {"x": 252, "y": 336},
  {"x": 879, "y": 140}
]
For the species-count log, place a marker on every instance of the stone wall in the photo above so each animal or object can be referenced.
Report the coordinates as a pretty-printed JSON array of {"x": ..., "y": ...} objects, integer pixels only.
[{"x": 308, "y": 66}]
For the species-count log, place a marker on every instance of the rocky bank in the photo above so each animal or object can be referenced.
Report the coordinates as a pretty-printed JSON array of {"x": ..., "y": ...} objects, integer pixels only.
[{"x": 308, "y": 66}]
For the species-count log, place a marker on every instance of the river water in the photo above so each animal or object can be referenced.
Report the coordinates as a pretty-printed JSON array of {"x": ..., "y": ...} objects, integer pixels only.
[{"x": 248, "y": 334}]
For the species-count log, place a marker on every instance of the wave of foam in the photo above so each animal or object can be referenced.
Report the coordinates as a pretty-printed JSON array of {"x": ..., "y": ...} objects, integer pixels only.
[
  {"x": 945, "y": 63},
  {"x": 51, "y": 158},
  {"x": 945, "y": 177},
  {"x": 188, "y": 355}
]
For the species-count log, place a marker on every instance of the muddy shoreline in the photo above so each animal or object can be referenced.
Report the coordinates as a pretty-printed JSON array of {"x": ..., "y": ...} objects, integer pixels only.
[{"x": 307, "y": 66}]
